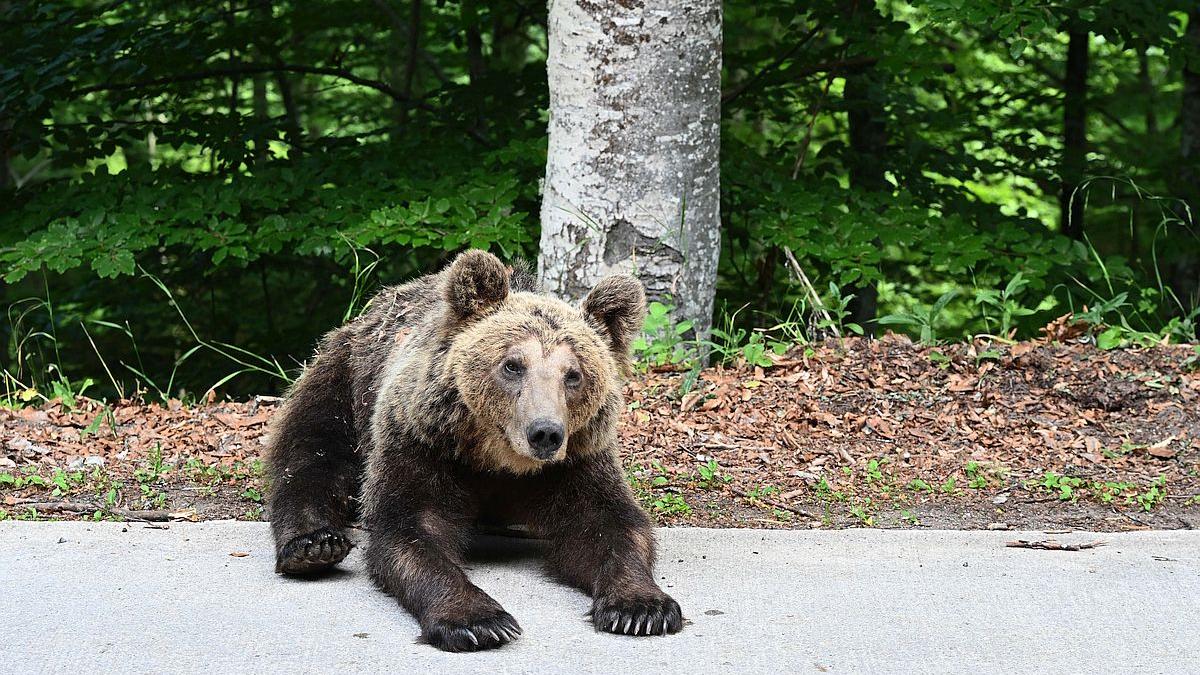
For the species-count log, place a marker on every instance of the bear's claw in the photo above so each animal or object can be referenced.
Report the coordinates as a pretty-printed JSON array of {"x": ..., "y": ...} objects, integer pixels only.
[
  {"x": 488, "y": 632},
  {"x": 637, "y": 616},
  {"x": 313, "y": 552}
]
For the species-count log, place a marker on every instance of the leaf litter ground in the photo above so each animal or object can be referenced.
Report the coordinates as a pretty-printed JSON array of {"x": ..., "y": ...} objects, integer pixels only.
[{"x": 848, "y": 433}]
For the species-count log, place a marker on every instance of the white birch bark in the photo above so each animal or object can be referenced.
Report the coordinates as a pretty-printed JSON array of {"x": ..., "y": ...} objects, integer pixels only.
[{"x": 632, "y": 175}]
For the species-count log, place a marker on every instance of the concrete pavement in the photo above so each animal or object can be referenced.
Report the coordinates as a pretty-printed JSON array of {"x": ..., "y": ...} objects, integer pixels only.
[{"x": 107, "y": 597}]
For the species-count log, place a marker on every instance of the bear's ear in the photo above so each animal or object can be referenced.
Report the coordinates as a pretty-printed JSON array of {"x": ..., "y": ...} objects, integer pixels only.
[
  {"x": 618, "y": 305},
  {"x": 476, "y": 281}
]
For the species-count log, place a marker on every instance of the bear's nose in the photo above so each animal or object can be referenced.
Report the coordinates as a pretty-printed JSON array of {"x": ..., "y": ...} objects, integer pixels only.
[{"x": 544, "y": 436}]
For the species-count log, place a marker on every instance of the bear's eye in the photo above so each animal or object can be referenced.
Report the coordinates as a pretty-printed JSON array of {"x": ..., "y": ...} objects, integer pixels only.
[
  {"x": 573, "y": 378},
  {"x": 513, "y": 367}
]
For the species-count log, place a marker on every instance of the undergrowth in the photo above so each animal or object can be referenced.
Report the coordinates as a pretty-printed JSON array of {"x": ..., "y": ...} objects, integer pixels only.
[{"x": 1111, "y": 317}]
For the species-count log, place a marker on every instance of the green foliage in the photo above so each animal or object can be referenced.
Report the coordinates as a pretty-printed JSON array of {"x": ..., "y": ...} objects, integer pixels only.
[
  {"x": 949, "y": 486},
  {"x": 227, "y": 148},
  {"x": 671, "y": 504},
  {"x": 837, "y": 306},
  {"x": 710, "y": 474},
  {"x": 650, "y": 487},
  {"x": 925, "y": 321},
  {"x": 1005, "y": 304},
  {"x": 959, "y": 193},
  {"x": 304, "y": 207},
  {"x": 105, "y": 416},
  {"x": 919, "y": 485},
  {"x": 152, "y": 470},
  {"x": 1153, "y": 495},
  {"x": 1108, "y": 491},
  {"x": 19, "y": 481},
  {"x": 874, "y": 472},
  {"x": 975, "y": 478},
  {"x": 732, "y": 342},
  {"x": 662, "y": 341},
  {"x": 1192, "y": 362},
  {"x": 269, "y": 164},
  {"x": 863, "y": 509},
  {"x": 762, "y": 492},
  {"x": 1065, "y": 486}
]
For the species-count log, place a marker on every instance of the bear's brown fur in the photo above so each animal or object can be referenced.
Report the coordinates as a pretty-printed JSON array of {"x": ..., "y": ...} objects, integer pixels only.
[{"x": 466, "y": 396}]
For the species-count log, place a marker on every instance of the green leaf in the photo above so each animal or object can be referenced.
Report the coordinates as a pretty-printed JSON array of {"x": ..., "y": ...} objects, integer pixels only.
[
  {"x": 1110, "y": 339},
  {"x": 1017, "y": 48}
]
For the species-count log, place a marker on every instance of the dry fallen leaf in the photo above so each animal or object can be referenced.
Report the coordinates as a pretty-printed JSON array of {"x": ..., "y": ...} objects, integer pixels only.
[
  {"x": 1162, "y": 453},
  {"x": 690, "y": 400},
  {"x": 1041, "y": 407},
  {"x": 185, "y": 514}
]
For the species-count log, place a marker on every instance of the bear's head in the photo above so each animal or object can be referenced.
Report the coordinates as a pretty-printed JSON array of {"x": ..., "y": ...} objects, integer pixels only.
[{"x": 541, "y": 379}]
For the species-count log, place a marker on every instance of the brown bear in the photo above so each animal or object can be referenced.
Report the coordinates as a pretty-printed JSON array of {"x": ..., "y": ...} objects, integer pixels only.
[{"x": 461, "y": 397}]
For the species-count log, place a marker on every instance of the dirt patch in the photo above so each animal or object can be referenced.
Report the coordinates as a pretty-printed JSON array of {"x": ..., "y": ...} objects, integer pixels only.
[{"x": 848, "y": 433}]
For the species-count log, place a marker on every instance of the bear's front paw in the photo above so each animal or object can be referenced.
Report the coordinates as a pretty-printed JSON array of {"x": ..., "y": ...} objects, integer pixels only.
[
  {"x": 647, "y": 615},
  {"x": 313, "y": 552},
  {"x": 489, "y": 631}
]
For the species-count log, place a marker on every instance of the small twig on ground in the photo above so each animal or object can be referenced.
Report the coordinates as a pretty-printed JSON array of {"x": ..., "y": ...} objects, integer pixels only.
[
  {"x": 1053, "y": 545},
  {"x": 813, "y": 297},
  {"x": 726, "y": 446},
  {"x": 146, "y": 516},
  {"x": 1132, "y": 517}
]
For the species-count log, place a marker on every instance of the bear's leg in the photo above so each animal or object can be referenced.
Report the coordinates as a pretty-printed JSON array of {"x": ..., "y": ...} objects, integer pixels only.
[
  {"x": 418, "y": 532},
  {"x": 313, "y": 468},
  {"x": 602, "y": 542}
]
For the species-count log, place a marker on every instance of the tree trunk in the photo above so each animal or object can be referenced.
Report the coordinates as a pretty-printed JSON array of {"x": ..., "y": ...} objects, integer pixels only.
[
  {"x": 414, "y": 47},
  {"x": 1149, "y": 93},
  {"x": 406, "y": 34},
  {"x": 262, "y": 115},
  {"x": 476, "y": 66},
  {"x": 475, "y": 63},
  {"x": 1189, "y": 114},
  {"x": 868, "y": 169},
  {"x": 1185, "y": 272},
  {"x": 1074, "y": 159},
  {"x": 632, "y": 179},
  {"x": 6, "y": 180}
]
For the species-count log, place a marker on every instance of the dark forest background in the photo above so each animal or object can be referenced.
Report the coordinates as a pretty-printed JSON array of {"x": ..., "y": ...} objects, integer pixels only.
[{"x": 194, "y": 191}]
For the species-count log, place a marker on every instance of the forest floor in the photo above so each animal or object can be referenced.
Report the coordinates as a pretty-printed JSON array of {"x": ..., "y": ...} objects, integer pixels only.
[{"x": 848, "y": 433}]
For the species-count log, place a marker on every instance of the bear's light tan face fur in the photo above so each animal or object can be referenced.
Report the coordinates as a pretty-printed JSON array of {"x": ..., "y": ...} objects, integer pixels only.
[
  {"x": 542, "y": 361},
  {"x": 541, "y": 381}
]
